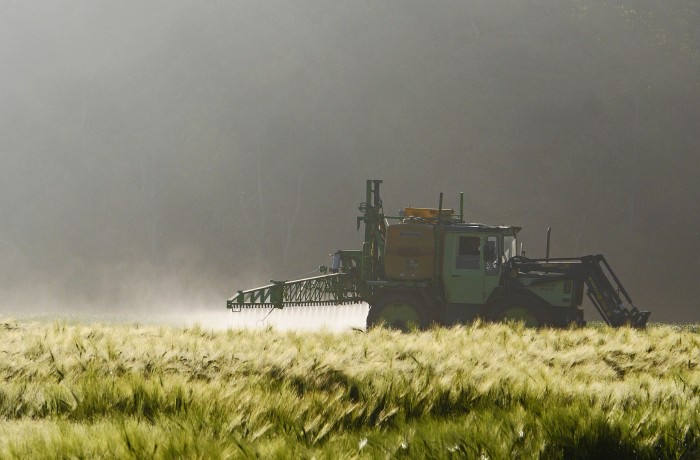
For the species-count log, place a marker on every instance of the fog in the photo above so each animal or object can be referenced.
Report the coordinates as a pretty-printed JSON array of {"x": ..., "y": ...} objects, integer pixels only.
[{"x": 158, "y": 156}]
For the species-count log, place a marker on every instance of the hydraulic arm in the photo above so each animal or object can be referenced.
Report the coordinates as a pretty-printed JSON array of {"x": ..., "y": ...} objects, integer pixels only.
[{"x": 603, "y": 286}]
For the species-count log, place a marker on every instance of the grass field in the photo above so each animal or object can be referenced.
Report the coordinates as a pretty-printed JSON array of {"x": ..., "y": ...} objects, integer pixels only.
[{"x": 480, "y": 391}]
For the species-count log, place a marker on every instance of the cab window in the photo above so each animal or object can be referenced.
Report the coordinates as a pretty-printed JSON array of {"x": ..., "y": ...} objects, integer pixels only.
[
  {"x": 510, "y": 247},
  {"x": 468, "y": 252},
  {"x": 492, "y": 255}
]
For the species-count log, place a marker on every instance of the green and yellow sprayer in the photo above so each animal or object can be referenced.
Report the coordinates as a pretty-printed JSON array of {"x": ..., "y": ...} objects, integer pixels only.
[{"x": 428, "y": 266}]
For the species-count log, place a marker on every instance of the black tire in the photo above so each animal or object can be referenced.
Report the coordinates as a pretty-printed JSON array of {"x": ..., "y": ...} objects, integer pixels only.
[
  {"x": 398, "y": 311},
  {"x": 524, "y": 310}
]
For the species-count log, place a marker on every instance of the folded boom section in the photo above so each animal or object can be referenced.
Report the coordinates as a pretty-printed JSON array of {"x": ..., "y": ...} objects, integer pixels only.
[{"x": 329, "y": 289}]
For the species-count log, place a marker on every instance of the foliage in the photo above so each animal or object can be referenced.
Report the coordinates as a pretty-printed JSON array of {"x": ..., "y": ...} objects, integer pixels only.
[{"x": 489, "y": 391}]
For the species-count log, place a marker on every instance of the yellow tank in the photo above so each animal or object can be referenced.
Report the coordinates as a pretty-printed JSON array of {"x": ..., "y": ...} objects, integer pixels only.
[
  {"x": 409, "y": 252},
  {"x": 427, "y": 213}
]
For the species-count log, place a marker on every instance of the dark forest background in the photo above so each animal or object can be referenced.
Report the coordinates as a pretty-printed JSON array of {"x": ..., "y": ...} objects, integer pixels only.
[{"x": 175, "y": 151}]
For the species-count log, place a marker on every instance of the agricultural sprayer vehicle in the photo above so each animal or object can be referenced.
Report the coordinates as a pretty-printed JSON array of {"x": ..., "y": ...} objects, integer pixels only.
[{"x": 427, "y": 265}]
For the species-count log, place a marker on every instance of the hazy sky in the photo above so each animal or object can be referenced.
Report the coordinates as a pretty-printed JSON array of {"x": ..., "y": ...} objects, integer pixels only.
[{"x": 152, "y": 152}]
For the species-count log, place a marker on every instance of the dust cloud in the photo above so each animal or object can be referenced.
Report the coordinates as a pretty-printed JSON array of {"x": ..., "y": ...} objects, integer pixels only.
[
  {"x": 159, "y": 156},
  {"x": 341, "y": 318}
]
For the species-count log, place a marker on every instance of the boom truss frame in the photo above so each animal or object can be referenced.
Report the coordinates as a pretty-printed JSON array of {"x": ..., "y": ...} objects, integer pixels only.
[{"x": 328, "y": 289}]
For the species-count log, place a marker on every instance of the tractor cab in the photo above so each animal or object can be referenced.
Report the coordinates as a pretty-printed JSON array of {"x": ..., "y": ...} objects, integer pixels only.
[{"x": 473, "y": 259}]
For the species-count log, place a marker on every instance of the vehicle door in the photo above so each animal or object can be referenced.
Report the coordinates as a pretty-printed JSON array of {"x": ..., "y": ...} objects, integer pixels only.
[
  {"x": 473, "y": 266},
  {"x": 464, "y": 268}
]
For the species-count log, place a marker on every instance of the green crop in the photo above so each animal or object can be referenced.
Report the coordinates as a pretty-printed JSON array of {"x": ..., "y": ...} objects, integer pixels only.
[{"x": 480, "y": 391}]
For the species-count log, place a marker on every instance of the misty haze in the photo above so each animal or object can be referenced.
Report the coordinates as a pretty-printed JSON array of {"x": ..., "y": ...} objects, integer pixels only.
[{"x": 158, "y": 156}]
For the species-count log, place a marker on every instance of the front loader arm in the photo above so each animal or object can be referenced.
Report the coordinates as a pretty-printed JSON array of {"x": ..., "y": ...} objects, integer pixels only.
[{"x": 604, "y": 288}]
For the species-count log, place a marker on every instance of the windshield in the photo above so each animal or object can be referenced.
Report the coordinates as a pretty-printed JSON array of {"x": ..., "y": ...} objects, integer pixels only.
[{"x": 510, "y": 246}]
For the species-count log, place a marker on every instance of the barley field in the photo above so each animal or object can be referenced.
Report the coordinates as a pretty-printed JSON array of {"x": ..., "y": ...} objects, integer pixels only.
[{"x": 72, "y": 390}]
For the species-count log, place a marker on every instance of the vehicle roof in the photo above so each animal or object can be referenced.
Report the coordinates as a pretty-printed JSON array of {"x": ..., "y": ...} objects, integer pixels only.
[
  {"x": 456, "y": 226},
  {"x": 477, "y": 227}
]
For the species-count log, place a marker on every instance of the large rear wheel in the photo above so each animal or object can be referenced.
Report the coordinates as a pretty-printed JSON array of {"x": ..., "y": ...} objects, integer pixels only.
[
  {"x": 519, "y": 310},
  {"x": 398, "y": 311}
]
